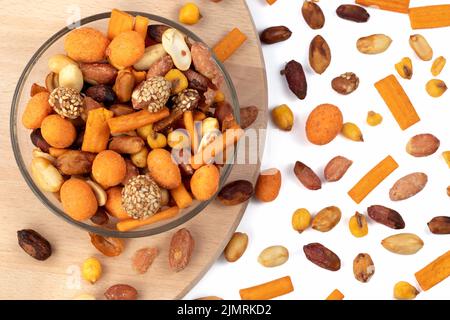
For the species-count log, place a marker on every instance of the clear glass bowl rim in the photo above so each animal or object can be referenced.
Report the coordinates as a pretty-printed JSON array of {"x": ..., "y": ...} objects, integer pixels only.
[{"x": 23, "y": 167}]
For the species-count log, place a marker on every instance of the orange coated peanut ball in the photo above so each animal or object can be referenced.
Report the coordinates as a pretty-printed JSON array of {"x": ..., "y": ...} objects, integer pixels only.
[
  {"x": 126, "y": 49},
  {"x": 36, "y": 110},
  {"x": 86, "y": 45},
  {"x": 205, "y": 182},
  {"x": 109, "y": 168},
  {"x": 114, "y": 203},
  {"x": 78, "y": 199},
  {"x": 58, "y": 132}
]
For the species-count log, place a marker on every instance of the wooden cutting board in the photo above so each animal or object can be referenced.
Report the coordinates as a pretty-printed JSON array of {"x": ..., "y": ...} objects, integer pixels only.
[{"x": 25, "y": 26}]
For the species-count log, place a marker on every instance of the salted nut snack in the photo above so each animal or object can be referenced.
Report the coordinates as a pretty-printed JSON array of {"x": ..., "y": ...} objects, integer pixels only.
[{"x": 123, "y": 120}]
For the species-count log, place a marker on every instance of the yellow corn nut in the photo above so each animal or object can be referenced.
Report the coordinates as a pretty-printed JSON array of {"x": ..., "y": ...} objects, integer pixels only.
[
  {"x": 374, "y": 118},
  {"x": 405, "y": 68},
  {"x": 351, "y": 131},
  {"x": 219, "y": 97},
  {"x": 438, "y": 65},
  {"x": 156, "y": 140},
  {"x": 91, "y": 270},
  {"x": 189, "y": 14},
  {"x": 178, "y": 139},
  {"x": 140, "y": 159},
  {"x": 358, "y": 225},
  {"x": 145, "y": 131},
  {"x": 283, "y": 117},
  {"x": 436, "y": 88},
  {"x": 301, "y": 220},
  {"x": 178, "y": 80},
  {"x": 446, "y": 156},
  {"x": 404, "y": 291}
]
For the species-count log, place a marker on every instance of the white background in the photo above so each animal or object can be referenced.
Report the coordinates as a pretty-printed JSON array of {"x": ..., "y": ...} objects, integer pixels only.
[{"x": 270, "y": 224}]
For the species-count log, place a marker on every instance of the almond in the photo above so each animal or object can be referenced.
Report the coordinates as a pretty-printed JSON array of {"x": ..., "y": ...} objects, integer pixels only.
[
  {"x": 180, "y": 251},
  {"x": 313, "y": 15},
  {"x": 235, "y": 192},
  {"x": 143, "y": 259},
  {"x": 307, "y": 177},
  {"x": 326, "y": 219},
  {"x": 336, "y": 168},
  {"x": 322, "y": 256},
  {"x": 403, "y": 243},
  {"x": 319, "y": 54},
  {"x": 386, "y": 216},
  {"x": 408, "y": 186},
  {"x": 422, "y": 145},
  {"x": 268, "y": 185}
]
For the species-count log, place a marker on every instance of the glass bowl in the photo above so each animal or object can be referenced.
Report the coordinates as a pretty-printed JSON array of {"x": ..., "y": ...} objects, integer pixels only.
[{"x": 35, "y": 72}]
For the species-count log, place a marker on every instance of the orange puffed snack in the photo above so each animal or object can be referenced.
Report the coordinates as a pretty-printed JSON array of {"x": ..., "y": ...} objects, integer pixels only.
[
  {"x": 109, "y": 168},
  {"x": 36, "y": 110},
  {"x": 58, "y": 132},
  {"x": 126, "y": 49},
  {"x": 114, "y": 203},
  {"x": 324, "y": 124},
  {"x": 86, "y": 45},
  {"x": 205, "y": 182},
  {"x": 78, "y": 199}
]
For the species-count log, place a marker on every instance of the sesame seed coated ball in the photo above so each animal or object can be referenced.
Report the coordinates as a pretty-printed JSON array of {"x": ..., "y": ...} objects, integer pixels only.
[
  {"x": 66, "y": 102},
  {"x": 152, "y": 94},
  {"x": 141, "y": 197}
]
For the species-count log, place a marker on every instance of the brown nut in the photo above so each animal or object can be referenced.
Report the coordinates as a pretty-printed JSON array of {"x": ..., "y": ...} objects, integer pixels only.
[
  {"x": 408, "y": 186},
  {"x": 101, "y": 93},
  {"x": 38, "y": 140},
  {"x": 319, "y": 54},
  {"x": 143, "y": 259},
  {"x": 373, "y": 44},
  {"x": 35, "y": 89},
  {"x": 126, "y": 144},
  {"x": 100, "y": 217},
  {"x": 110, "y": 247},
  {"x": 275, "y": 34},
  {"x": 155, "y": 32},
  {"x": 236, "y": 247},
  {"x": 124, "y": 85},
  {"x": 353, "y": 13},
  {"x": 307, "y": 177},
  {"x": 296, "y": 79},
  {"x": 88, "y": 105},
  {"x": 248, "y": 115},
  {"x": 75, "y": 162},
  {"x": 222, "y": 110},
  {"x": 363, "y": 267},
  {"x": 121, "y": 292},
  {"x": 439, "y": 225},
  {"x": 313, "y": 15},
  {"x": 421, "y": 47},
  {"x": 121, "y": 109},
  {"x": 268, "y": 185},
  {"x": 389, "y": 217},
  {"x": 98, "y": 73},
  {"x": 34, "y": 244},
  {"x": 322, "y": 256},
  {"x": 160, "y": 67},
  {"x": 196, "y": 80},
  {"x": 180, "y": 251},
  {"x": 326, "y": 219},
  {"x": 346, "y": 83},
  {"x": 132, "y": 171},
  {"x": 235, "y": 192},
  {"x": 336, "y": 168},
  {"x": 422, "y": 145},
  {"x": 51, "y": 81}
]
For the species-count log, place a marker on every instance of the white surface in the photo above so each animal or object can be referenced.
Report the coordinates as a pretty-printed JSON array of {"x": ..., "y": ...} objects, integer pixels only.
[{"x": 270, "y": 224}]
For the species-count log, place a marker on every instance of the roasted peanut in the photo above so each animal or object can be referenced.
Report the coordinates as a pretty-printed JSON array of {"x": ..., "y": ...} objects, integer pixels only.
[
  {"x": 422, "y": 145},
  {"x": 319, "y": 54},
  {"x": 236, "y": 247},
  {"x": 373, "y": 44},
  {"x": 326, "y": 219},
  {"x": 124, "y": 85},
  {"x": 126, "y": 144},
  {"x": 235, "y": 192},
  {"x": 73, "y": 162},
  {"x": 322, "y": 256},
  {"x": 313, "y": 15},
  {"x": 421, "y": 47},
  {"x": 363, "y": 267},
  {"x": 336, "y": 168},
  {"x": 121, "y": 292},
  {"x": 408, "y": 186},
  {"x": 275, "y": 34},
  {"x": 439, "y": 225},
  {"x": 98, "y": 73},
  {"x": 306, "y": 176},
  {"x": 389, "y": 217},
  {"x": 353, "y": 13}
]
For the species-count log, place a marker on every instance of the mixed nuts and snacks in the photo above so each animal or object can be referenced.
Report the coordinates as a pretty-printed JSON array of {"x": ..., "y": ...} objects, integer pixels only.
[{"x": 115, "y": 110}]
